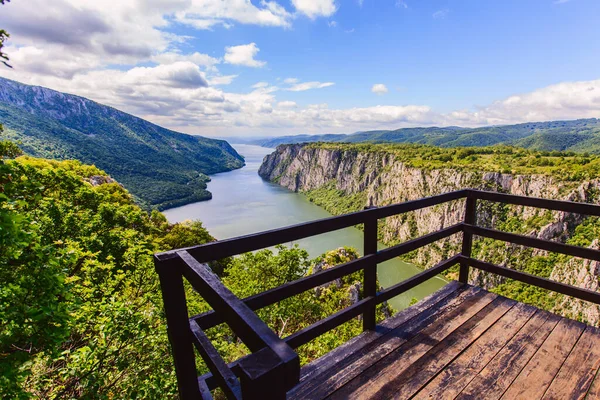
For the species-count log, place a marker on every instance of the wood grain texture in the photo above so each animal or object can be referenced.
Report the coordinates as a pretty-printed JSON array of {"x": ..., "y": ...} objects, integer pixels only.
[
  {"x": 493, "y": 380},
  {"x": 577, "y": 373},
  {"x": 335, "y": 356},
  {"x": 373, "y": 379},
  {"x": 456, "y": 376},
  {"x": 424, "y": 369},
  {"x": 539, "y": 372},
  {"x": 327, "y": 382}
]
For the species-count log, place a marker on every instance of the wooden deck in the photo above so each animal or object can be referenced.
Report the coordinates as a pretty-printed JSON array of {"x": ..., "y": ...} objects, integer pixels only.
[{"x": 462, "y": 342}]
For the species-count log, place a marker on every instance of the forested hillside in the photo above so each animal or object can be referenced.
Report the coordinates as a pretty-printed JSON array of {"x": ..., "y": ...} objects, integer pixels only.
[
  {"x": 80, "y": 306},
  {"x": 580, "y": 135},
  {"x": 347, "y": 177},
  {"x": 162, "y": 168}
]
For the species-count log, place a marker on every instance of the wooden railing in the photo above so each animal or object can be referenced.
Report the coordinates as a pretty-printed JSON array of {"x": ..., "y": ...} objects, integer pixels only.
[{"x": 273, "y": 367}]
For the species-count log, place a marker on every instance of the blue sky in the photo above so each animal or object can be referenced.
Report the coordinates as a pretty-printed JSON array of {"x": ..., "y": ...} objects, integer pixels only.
[{"x": 237, "y": 67}]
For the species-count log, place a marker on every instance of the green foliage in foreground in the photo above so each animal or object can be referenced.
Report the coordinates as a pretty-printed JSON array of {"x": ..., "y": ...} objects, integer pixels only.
[
  {"x": 80, "y": 307},
  {"x": 506, "y": 159}
]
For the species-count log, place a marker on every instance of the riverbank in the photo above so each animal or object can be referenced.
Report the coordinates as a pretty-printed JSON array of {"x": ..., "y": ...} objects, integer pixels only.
[{"x": 243, "y": 203}]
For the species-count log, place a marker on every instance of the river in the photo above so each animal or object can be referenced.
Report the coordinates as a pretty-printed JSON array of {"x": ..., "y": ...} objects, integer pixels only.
[{"x": 244, "y": 203}]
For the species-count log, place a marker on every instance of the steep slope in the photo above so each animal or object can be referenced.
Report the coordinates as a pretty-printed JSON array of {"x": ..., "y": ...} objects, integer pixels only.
[
  {"x": 344, "y": 178},
  {"x": 160, "y": 167}
]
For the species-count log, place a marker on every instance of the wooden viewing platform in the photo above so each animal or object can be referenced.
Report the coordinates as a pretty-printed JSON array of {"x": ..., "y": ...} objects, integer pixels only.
[{"x": 461, "y": 342}]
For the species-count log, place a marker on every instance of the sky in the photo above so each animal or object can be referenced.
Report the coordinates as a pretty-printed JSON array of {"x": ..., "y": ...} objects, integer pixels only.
[{"x": 280, "y": 67}]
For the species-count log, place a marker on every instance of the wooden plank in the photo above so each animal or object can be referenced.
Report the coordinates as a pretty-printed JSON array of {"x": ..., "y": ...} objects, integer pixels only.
[
  {"x": 205, "y": 393},
  {"x": 594, "y": 391},
  {"x": 374, "y": 378},
  {"x": 210, "y": 319},
  {"x": 583, "y": 294},
  {"x": 413, "y": 244},
  {"x": 528, "y": 241},
  {"x": 456, "y": 376},
  {"x": 228, "y": 382},
  {"x": 409, "y": 382},
  {"x": 315, "y": 330},
  {"x": 230, "y": 247},
  {"x": 539, "y": 372},
  {"x": 335, "y": 356},
  {"x": 493, "y": 380},
  {"x": 577, "y": 373},
  {"x": 416, "y": 279},
  {"x": 370, "y": 272},
  {"x": 327, "y": 382},
  {"x": 467, "y": 239},
  {"x": 558, "y": 205}
]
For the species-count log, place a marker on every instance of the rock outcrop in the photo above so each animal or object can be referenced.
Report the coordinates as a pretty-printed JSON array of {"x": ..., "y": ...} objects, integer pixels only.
[{"x": 386, "y": 180}]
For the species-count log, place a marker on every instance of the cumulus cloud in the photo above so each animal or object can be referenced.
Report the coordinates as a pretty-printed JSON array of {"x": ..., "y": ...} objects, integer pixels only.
[
  {"x": 315, "y": 8},
  {"x": 567, "y": 100},
  {"x": 379, "y": 88},
  {"x": 300, "y": 87},
  {"x": 243, "y": 55}
]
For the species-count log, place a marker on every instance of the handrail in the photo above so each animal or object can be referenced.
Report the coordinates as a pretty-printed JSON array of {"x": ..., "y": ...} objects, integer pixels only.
[
  {"x": 211, "y": 318},
  {"x": 273, "y": 359},
  {"x": 256, "y": 241},
  {"x": 244, "y": 322}
]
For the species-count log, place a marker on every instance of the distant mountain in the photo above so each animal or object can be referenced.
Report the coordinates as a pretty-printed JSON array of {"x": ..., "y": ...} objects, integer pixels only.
[
  {"x": 581, "y": 135},
  {"x": 160, "y": 167},
  {"x": 273, "y": 142}
]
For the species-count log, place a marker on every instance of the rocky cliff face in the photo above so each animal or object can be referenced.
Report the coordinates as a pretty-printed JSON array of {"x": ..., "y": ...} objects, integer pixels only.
[{"x": 385, "y": 180}]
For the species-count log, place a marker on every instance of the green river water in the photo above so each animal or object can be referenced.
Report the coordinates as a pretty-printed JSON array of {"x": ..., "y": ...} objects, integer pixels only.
[{"x": 244, "y": 203}]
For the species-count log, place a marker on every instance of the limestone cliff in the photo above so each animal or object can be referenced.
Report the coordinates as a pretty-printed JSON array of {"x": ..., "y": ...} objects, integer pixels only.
[{"x": 383, "y": 179}]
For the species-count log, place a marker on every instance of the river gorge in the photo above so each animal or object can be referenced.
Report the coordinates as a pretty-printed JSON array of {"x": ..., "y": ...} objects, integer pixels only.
[{"x": 244, "y": 203}]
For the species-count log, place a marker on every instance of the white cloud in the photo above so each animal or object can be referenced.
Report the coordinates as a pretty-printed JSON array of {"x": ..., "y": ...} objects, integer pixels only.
[
  {"x": 315, "y": 8},
  {"x": 182, "y": 74},
  {"x": 401, "y": 4},
  {"x": 567, "y": 100},
  {"x": 349, "y": 30},
  {"x": 441, "y": 14},
  {"x": 221, "y": 80},
  {"x": 290, "y": 81},
  {"x": 197, "y": 58},
  {"x": 206, "y": 14},
  {"x": 379, "y": 88},
  {"x": 174, "y": 96},
  {"x": 332, "y": 24},
  {"x": 259, "y": 85},
  {"x": 287, "y": 104},
  {"x": 243, "y": 55},
  {"x": 300, "y": 87}
]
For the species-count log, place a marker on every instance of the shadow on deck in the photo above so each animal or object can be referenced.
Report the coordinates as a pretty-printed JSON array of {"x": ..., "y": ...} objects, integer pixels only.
[{"x": 460, "y": 342}]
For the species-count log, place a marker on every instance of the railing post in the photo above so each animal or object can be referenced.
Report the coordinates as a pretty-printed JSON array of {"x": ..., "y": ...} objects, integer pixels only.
[
  {"x": 467, "y": 243},
  {"x": 370, "y": 271},
  {"x": 178, "y": 328}
]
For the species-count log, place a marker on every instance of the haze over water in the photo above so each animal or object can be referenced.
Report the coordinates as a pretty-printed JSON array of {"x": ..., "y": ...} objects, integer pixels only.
[{"x": 244, "y": 203}]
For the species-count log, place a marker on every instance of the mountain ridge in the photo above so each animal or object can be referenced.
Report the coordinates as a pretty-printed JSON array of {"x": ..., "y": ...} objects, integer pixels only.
[
  {"x": 581, "y": 135},
  {"x": 160, "y": 167}
]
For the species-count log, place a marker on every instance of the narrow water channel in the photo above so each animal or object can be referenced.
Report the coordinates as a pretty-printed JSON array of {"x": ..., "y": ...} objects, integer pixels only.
[{"x": 244, "y": 203}]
